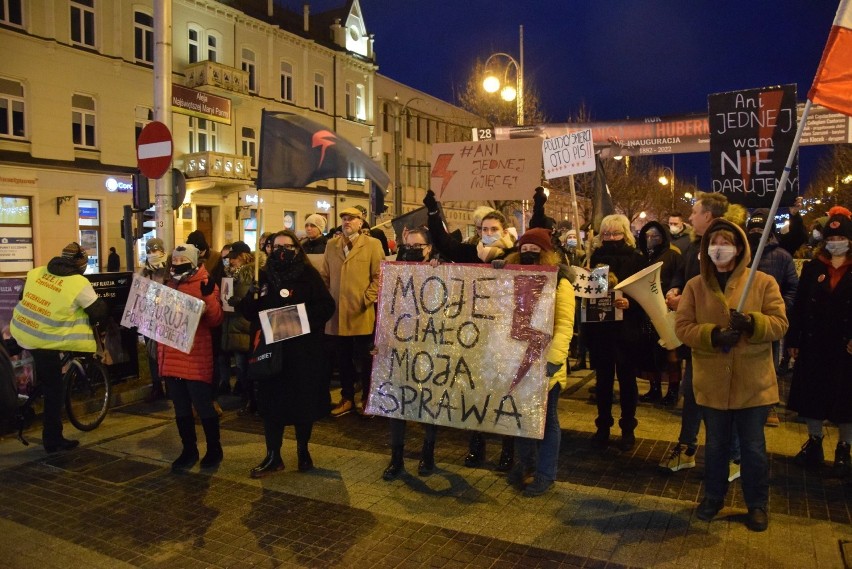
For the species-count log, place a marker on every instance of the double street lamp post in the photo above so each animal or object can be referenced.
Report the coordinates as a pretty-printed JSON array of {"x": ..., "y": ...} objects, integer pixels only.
[{"x": 494, "y": 83}]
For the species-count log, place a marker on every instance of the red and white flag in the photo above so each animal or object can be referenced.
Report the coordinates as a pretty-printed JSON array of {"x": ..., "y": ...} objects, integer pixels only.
[{"x": 832, "y": 86}]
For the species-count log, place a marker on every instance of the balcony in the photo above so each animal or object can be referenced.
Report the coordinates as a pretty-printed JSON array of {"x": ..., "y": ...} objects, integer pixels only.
[
  {"x": 213, "y": 74},
  {"x": 217, "y": 165}
]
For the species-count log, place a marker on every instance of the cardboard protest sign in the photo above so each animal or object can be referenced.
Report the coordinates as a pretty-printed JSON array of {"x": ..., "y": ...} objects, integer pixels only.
[
  {"x": 568, "y": 154},
  {"x": 162, "y": 313},
  {"x": 464, "y": 346},
  {"x": 486, "y": 170},
  {"x": 751, "y": 135}
]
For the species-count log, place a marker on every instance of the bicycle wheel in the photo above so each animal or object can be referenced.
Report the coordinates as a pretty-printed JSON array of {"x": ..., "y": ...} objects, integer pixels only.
[{"x": 87, "y": 393}]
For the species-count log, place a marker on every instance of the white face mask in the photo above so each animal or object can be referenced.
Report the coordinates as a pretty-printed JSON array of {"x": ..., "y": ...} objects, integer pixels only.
[
  {"x": 571, "y": 242},
  {"x": 817, "y": 235},
  {"x": 721, "y": 255},
  {"x": 675, "y": 229},
  {"x": 155, "y": 260},
  {"x": 837, "y": 248},
  {"x": 489, "y": 239}
]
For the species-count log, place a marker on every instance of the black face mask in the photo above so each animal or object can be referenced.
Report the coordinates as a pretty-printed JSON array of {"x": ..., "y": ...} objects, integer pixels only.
[
  {"x": 182, "y": 268},
  {"x": 281, "y": 258},
  {"x": 754, "y": 241},
  {"x": 413, "y": 255},
  {"x": 612, "y": 245},
  {"x": 530, "y": 257}
]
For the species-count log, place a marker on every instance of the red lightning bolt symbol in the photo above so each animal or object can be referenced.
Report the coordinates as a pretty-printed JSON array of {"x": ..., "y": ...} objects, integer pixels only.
[
  {"x": 441, "y": 170},
  {"x": 325, "y": 139},
  {"x": 527, "y": 292}
]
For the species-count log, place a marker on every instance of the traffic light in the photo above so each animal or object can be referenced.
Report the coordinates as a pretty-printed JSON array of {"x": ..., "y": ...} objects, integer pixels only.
[
  {"x": 144, "y": 222},
  {"x": 141, "y": 192}
]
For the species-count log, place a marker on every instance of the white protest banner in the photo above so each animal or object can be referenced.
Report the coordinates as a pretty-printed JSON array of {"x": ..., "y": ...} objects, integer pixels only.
[
  {"x": 486, "y": 170},
  {"x": 591, "y": 283},
  {"x": 162, "y": 313},
  {"x": 464, "y": 346},
  {"x": 568, "y": 154}
]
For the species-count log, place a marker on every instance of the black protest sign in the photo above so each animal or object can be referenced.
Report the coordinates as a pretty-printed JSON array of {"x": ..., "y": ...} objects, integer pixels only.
[{"x": 751, "y": 135}]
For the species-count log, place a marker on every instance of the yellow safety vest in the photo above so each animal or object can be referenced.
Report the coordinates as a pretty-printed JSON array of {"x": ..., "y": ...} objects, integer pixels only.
[{"x": 46, "y": 317}]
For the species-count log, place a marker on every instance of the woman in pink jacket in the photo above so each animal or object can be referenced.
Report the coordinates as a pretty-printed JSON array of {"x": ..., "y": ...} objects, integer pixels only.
[{"x": 189, "y": 376}]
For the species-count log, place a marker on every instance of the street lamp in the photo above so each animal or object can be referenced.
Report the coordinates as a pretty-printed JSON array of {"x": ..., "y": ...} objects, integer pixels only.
[
  {"x": 666, "y": 181},
  {"x": 397, "y": 135},
  {"x": 508, "y": 92}
]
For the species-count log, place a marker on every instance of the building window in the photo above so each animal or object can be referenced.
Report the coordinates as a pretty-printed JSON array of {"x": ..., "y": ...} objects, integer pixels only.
[
  {"x": 408, "y": 121},
  {"x": 348, "y": 102},
  {"x": 194, "y": 39},
  {"x": 385, "y": 118},
  {"x": 11, "y": 12},
  {"x": 319, "y": 91},
  {"x": 249, "y": 145},
  {"x": 356, "y": 173},
  {"x": 428, "y": 131},
  {"x": 213, "y": 43},
  {"x": 287, "y": 81},
  {"x": 144, "y": 115},
  {"x": 83, "y": 121},
  {"x": 143, "y": 37},
  {"x": 386, "y": 161},
  {"x": 360, "y": 107},
  {"x": 89, "y": 227},
  {"x": 202, "y": 135},
  {"x": 12, "y": 109},
  {"x": 419, "y": 129},
  {"x": 83, "y": 22},
  {"x": 202, "y": 44},
  {"x": 248, "y": 65}
]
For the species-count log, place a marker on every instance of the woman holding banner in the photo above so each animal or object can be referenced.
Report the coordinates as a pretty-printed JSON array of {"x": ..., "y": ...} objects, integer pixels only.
[
  {"x": 300, "y": 394},
  {"x": 733, "y": 369}
]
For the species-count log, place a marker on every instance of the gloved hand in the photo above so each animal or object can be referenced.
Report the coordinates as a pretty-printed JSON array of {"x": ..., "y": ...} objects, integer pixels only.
[
  {"x": 430, "y": 202},
  {"x": 539, "y": 199},
  {"x": 724, "y": 338},
  {"x": 498, "y": 263},
  {"x": 207, "y": 287},
  {"x": 552, "y": 369},
  {"x": 233, "y": 301},
  {"x": 742, "y": 322}
]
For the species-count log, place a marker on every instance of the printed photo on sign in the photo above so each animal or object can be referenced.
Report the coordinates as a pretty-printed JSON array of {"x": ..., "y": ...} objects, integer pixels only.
[
  {"x": 464, "y": 346},
  {"x": 602, "y": 309},
  {"x": 283, "y": 323},
  {"x": 227, "y": 292}
]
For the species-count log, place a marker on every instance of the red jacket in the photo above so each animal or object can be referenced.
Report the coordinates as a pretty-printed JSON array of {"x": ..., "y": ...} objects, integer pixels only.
[{"x": 198, "y": 363}]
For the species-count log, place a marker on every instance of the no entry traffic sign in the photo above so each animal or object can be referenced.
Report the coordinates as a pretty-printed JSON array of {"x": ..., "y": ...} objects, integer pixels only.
[{"x": 154, "y": 150}]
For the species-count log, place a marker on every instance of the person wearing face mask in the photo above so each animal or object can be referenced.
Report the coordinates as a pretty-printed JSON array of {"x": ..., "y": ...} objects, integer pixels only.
[
  {"x": 820, "y": 339},
  {"x": 535, "y": 471},
  {"x": 300, "y": 395},
  {"x": 681, "y": 233},
  {"x": 235, "y": 328},
  {"x": 613, "y": 345},
  {"x": 733, "y": 372},
  {"x": 189, "y": 377},
  {"x": 56, "y": 313},
  {"x": 654, "y": 360},
  {"x": 154, "y": 268},
  {"x": 314, "y": 241},
  {"x": 418, "y": 249}
]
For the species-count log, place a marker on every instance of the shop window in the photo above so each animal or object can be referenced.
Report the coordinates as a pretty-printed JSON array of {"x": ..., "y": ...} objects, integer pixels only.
[
  {"x": 89, "y": 222},
  {"x": 143, "y": 37},
  {"x": 249, "y": 145},
  {"x": 16, "y": 234},
  {"x": 248, "y": 64},
  {"x": 12, "y": 117},
  {"x": 319, "y": 91},
  {"x": 83, "y": 121},
  {"x": 287, "y": 81},
  {"x": 11, "y": 12},
  {"x": 202, "y": 135},
  {"x": 83, "y": 22}
]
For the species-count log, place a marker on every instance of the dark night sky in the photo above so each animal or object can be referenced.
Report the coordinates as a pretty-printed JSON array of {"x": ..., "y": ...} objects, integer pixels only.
[{"x": 622, "y": 58}]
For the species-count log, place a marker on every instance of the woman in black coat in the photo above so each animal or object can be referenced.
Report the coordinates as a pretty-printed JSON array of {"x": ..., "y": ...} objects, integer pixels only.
[
  {"x": 612, "y": 345},
  {"x": 820, "y": 338},
  {"x": 300, "y": 394}
]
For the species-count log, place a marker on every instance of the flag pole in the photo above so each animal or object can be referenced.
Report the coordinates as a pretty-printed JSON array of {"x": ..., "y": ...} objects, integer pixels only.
[
  {"x": 770, "y": 218},
  {"x": 574, "y": 205},
  {"x": 259, "y": 231}
]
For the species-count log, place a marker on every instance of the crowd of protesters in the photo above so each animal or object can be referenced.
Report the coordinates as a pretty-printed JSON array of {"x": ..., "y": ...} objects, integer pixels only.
[{"x": 726, "y": 372}]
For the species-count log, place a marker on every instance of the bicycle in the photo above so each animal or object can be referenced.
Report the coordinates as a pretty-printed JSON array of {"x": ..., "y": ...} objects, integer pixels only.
[{"x": 87, "y": 388}]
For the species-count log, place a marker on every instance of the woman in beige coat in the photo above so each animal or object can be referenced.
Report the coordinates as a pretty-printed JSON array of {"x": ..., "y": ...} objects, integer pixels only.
[{"x": 733, "y": 371}]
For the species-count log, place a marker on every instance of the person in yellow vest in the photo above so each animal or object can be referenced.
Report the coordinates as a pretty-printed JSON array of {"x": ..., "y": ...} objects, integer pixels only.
[{"x": 56, "y": 312}]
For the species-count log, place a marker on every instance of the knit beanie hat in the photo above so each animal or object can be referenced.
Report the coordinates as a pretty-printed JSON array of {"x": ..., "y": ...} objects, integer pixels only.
[
  {"x": 316, "y": 219},
  {"x": 187, "y": 251},
  {"x": 155, "y": 244},
  {"x": 197, "y": 239},
  {"x": 76, "y": 254},
  {"x": 838, "y": 224},
  {"x": 758, "y": 221},
  {"x": 537, "y": 236}
]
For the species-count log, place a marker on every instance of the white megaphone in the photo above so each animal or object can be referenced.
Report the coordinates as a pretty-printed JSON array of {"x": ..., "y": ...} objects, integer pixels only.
[{"x": 644, "y": 287}]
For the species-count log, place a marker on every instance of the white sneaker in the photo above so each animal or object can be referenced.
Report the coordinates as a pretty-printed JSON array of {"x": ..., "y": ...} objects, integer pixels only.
[
  {"x": 733, "y": 471},
  {"x": 678, "y": 459}
]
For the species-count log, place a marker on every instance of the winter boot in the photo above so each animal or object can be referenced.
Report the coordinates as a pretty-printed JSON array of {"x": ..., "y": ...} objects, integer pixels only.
[
  {"x": 507, "y": 455},
  {"x": 427, "y": 459},
  {"x": 654, "y": 394},
  {"x": 396, "y": 465},
  {"x": 600, "y": 440},
  {"x": 673, "y": 370},
  {"x": 305, "y": 461},
  {"x": 189, "y": 456},
  {"x": 811, "y": 455},
  {"x": 270, "y": 465},
  {"x": 213, "y": 456},
  {"x": 476, "y": 451},
  {"x": 628, "y": 439},
  {"x": 841, "y": 460}
]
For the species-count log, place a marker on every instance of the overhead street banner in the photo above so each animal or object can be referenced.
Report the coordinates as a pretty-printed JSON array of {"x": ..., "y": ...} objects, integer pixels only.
[
  {"x": 751, "y": 136},
  {"x": 464, "y": 346},
  {"x": 485, "y": 170},
  {"x": 675, "y": 134}
]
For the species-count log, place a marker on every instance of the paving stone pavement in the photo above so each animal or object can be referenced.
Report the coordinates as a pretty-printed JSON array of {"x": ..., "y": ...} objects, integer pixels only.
[{"x": 114, "y": 503}]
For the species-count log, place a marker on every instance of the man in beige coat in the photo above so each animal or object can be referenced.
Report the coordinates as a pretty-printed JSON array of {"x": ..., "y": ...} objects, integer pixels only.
[{"x": 351, "y": 273}]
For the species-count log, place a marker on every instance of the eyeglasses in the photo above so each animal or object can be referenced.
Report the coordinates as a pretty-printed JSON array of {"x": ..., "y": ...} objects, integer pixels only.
[
  {"x": 288, "y": 247},
  {"x": 608, "y": 234},
  {"x": 417, "y": 246}
]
